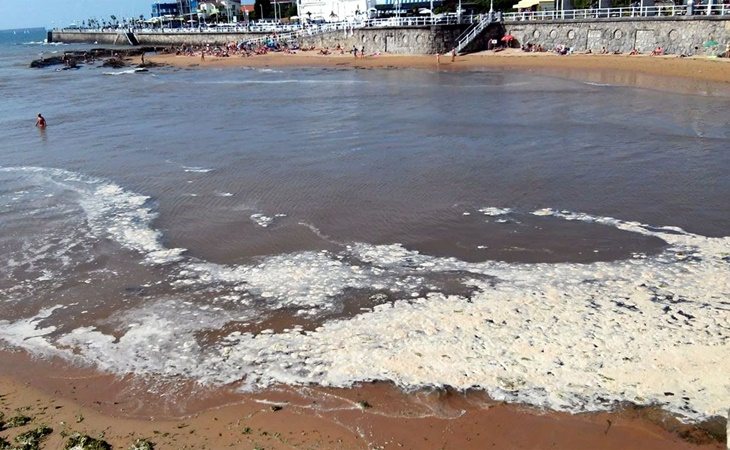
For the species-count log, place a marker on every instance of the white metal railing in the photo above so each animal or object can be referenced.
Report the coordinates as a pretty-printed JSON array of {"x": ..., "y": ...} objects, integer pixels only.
[
  {"x": 406, "y": 21},
  {"x": 420, "y": 21},
  {"x": 639, "y": 11},
  {"x": 474, "y": 30},
  {"x": 714, "y": 9}
]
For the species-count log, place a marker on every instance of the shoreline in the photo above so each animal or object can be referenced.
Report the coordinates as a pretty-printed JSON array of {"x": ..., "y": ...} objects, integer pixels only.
[
  {"x": 691, "y": 75},
  {"x": 369, "y": 415}
]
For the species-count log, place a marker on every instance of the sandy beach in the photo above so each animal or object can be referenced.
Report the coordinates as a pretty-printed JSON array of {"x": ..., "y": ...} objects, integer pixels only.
[
  {"x": 698, "y": 75},
  {"x": 320, "y": 418}
]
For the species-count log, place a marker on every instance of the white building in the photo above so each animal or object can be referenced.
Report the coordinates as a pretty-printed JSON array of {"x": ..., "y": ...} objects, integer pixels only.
[{"x": 331, "y": 10}]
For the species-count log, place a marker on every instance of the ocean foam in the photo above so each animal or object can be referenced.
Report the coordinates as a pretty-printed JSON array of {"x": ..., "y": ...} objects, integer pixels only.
[
  {"x": 652, "y": 329},
  {"x": 263, "y": 220},
  {"x": 196, "y": 169},
  {"x": 491, "y": 211}
]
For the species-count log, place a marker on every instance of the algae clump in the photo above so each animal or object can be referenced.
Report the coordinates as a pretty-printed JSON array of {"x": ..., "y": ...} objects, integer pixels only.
[
  {"x": 31, "y": 440},
  {"x": 5, "y": 445},
  {"x": 17, "y": 421},
  {"x": 142, "y": 444},
  {"x": 83, "y": 442}
]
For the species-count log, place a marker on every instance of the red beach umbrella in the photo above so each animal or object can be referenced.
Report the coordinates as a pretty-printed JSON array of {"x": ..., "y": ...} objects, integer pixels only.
[{"x": 508, "y": 38}]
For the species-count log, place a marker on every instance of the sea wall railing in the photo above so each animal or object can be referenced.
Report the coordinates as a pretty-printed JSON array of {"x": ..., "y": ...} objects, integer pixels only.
[
  {"x": 712, "y": 10},
  {"x": 628, "y": 12},
  {"x": 406, "y": 21}
]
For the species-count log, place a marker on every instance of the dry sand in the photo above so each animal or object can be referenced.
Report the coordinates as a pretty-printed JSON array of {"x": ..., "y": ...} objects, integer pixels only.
[{"x": 696, "y": 75}]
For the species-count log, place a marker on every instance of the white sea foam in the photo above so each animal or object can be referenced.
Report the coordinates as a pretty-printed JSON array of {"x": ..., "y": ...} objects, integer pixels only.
[
  {"x": 196, "y": 169},
  {"x": 263, "y": 220},
  {"x": 653, "y": 329},
  {"x": 492, "y": 211},
  {"x": 127, "y": 72}
]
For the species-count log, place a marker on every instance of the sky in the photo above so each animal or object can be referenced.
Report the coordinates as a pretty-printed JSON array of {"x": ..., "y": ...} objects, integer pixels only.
[{"x": 53, "y": 13}]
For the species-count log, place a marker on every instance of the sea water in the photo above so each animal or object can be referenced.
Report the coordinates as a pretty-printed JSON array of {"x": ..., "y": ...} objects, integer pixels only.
[{"x": 545, "y": 240}]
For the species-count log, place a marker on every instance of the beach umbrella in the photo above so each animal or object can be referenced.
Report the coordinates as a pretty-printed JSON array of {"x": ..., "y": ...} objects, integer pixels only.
[
  {"x": 508, "y": 38},
  {"x": 711, "y": 43}
]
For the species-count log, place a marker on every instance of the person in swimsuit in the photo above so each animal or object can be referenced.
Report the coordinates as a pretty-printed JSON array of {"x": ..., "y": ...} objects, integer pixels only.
[{"x": 40, "y": 122}]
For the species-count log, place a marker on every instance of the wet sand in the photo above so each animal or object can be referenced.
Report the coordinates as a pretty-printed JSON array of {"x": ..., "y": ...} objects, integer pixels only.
[
  {"x": 695, "y": 75},
  {"x": 373, "y": 415},
  {"x": 388, "y": 423}
]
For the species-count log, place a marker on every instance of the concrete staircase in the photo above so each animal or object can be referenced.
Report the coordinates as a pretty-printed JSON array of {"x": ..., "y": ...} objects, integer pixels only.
[
  {"x": 473, "y": 32},
  {"x": 131, "y": 38}
]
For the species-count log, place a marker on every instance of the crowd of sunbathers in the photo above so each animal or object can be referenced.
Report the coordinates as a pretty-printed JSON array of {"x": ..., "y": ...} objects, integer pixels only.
[{"x": 244, "y": 48}]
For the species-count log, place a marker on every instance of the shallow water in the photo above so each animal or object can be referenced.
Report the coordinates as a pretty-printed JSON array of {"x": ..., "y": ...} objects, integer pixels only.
[{"x": 545, "y": 240}]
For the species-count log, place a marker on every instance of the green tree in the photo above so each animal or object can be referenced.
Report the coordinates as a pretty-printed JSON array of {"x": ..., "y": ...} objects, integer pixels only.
[
  {"x": 291, "y": 10},
  {"x": 267, "y": 8}
]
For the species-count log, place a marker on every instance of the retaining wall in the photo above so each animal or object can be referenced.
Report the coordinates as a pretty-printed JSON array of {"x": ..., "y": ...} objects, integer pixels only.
[
  {"x": 77, "y": 37},
  {"x": 677, "y": 35},
  {"x": 406, "y": 40},
  {"x": 415, "y": 40}
]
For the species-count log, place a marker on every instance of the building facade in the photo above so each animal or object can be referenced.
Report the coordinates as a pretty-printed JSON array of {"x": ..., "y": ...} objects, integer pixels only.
[
  {"x": 331, "y": 10},
  {"x": 187, "y": 7},
  {"x": 160, "y": 9}
]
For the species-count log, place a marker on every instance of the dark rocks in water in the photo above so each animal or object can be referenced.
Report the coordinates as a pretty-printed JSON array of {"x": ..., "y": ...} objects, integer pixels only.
[
  {"x": 45, "y": 62},
  {"x": 114, "y": 62},
  {"x": 148, "y": 64},
  {"x": 116, "y": 58}
]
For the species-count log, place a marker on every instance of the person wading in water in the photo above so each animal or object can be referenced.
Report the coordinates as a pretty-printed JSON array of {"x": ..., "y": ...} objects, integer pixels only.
[{"x": 40, "y": 122}]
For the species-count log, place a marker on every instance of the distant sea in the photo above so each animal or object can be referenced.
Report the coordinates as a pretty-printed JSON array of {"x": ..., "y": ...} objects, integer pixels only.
[
  {"x": 22, "y": 35},
  {"x": 547, "y": 241}
]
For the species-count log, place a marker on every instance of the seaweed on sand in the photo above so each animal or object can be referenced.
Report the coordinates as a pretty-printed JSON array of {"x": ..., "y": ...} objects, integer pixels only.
[
  {"x": 142, "y": 444},
  {"x": 83, "y": 442},
  {"x": 31, "y": 440},
  {"x": 17, "y": 421}
]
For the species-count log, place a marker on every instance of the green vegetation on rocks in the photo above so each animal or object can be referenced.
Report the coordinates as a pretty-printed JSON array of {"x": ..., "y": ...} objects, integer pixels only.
[
  {"x": 5, "y": 445},
  {"x": 83, "y": 442},
  {"x": 142, "y": 444},
  {"x": 31, "y": 440},
  {"x": 17, "y": 421}
]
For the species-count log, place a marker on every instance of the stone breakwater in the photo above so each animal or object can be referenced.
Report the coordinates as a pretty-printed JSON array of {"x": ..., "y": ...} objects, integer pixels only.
[{"x": 677, "y": 35}]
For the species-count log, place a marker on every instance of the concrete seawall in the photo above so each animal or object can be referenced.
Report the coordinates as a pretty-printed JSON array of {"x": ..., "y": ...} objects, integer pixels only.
[{"x": 677, "y": 35}]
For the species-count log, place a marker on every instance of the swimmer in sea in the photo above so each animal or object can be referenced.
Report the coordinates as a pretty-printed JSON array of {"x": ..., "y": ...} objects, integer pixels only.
[{"x": 40, "y": 122}]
